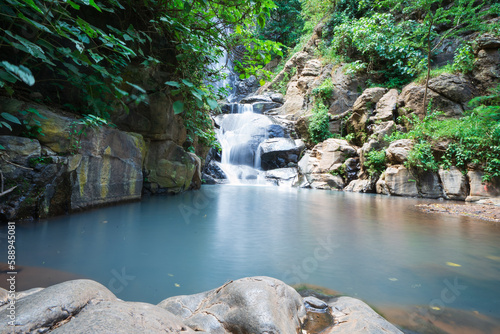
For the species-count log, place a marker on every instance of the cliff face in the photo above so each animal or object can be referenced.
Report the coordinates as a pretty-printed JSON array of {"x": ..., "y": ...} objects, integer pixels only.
[
  {"x": 61, "y": 170},
  {"x": 366, "y": 116}
]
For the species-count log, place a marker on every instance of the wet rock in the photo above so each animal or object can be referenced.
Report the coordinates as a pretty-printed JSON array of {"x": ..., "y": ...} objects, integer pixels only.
[
  {"x": 398, "y": 151},
  {"x": 282, "y": 176},
  {"x": 110, "y": 168},
  {"x": 428, "y": 185},
  {"x": 455, "y": 183},
  {"x": 275, "y": 131},
  {"x": 263, "y": 107},
  {"x": 214, "y": 170},
  {"x": 20, "y": 150},
  {"x": 397, "y": 181},
  {"x": 168, "y": 167},
  {"x": 248, "y": 305},
  {"x": 256, "y": 98},
  {"x": 278, "y": 153},
  {"x": 353, "y": 316}
]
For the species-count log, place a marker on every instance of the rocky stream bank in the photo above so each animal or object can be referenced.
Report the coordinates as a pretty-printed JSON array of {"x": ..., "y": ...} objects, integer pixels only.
[{"x": 247, "y": 305}]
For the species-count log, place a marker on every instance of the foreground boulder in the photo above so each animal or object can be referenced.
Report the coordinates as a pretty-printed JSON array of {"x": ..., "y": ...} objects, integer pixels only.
[{"x": 248, "y": 305}]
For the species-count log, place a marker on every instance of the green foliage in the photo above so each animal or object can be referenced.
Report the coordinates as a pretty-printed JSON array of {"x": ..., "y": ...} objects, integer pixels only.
[
  {"x": 434, "y": 73},
  {"x": 464, "y": 59},
  {"x": 313, "y": 11},
  {"x": 285, "y": 23},
  {"x": 32, "y": 123},
  {"x": 319, "y": 128},
  {"x": 39, "y": 160},
  {"x": 7, "y": 119},
  {"x": 83, "y": 53},
  {"x": 421, "y": 157},
  {"x": 342, "y": 171},
  {"x": 379, "y": 45},
  {"x": 474, "y": 139},
  {"x": 375, "y": 162},
  {"x": 324, "y": 91}
]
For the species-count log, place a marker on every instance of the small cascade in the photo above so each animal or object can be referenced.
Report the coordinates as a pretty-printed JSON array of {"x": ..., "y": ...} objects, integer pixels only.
[
  {"x": 240, "y": 136},
  {"x": 242, "y": 131}
]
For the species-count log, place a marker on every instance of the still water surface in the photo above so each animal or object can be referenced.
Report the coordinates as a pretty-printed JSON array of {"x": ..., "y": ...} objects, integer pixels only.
[{"x": 377, "y": 248}]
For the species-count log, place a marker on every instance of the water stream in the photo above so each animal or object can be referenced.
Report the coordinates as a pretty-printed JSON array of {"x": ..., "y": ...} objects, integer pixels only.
[{"x": 377, "y": 248}]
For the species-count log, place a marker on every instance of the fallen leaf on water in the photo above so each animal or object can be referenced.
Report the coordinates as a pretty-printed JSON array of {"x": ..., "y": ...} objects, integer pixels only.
[
  {"x": 393, "y": 279},
  {"x": 177, "y": 285},
  {"x": 435, "y": 308},
  {"x": 493, "y": 257},
  {"x": 171, "y": 275},
  {"x": 104, "y": 221},
  {"x": 451, "y": 264},
  {"x": 205, "y": 216}
]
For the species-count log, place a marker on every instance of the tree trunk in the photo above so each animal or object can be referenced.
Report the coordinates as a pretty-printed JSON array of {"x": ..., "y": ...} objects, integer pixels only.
[{"x": 424, "y": 105}]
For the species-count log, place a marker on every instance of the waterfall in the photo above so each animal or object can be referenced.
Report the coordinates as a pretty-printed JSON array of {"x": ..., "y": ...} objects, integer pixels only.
[{"x": 240, "y": 135}]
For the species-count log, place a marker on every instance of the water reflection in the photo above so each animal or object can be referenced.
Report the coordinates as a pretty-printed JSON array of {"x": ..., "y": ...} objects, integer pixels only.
[{"x": 380, "y": 249}]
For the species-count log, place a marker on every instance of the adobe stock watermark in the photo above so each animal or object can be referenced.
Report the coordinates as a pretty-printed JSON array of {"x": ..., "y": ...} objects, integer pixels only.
[
  {"x": 299, "y": 273},
  {"x": 198, "y": 201},
  {"x": 449, "y": 294},
  {"x": 120, "y": 280}
]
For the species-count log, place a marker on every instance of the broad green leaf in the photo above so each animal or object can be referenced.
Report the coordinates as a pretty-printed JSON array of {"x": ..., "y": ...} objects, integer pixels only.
[
  {"x": 262, "y": 82},
  {"x": 29, "y": 47},
  {"x": 21, "y": 72},
  {"x": 92, "y": 3},
  {"x": 178, "y": 107},
  {"x": 187, "y": 83},
  {"x": 7, "y": 125},
  {"x": 197, "y": 95},
  {"x": 140, "y": 89},
  {"x": 72, "y": 4},
  {"x": 212, "y": 103},
  {"x": 32, "y": 4},
  {"x": 10, "y": 118},
  {"x": 173, "y": 84}
]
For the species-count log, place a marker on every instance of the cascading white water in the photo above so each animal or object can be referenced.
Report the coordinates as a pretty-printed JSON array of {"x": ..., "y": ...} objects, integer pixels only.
[{"x": 240, "y": 135}]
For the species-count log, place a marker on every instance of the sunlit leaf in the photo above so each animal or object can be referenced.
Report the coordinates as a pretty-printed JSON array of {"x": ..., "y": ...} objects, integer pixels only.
[{"x": 21, "y": 72}]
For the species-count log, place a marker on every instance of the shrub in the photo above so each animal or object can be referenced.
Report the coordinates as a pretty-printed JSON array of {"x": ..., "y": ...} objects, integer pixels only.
[
  {"x": 375, "y": 162},
  {"x": 324, "y": 91},
  {"x": 464, "y": 59},
  {"x": 380, "y": 45},
  {"x": 319, "y": 128}
]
